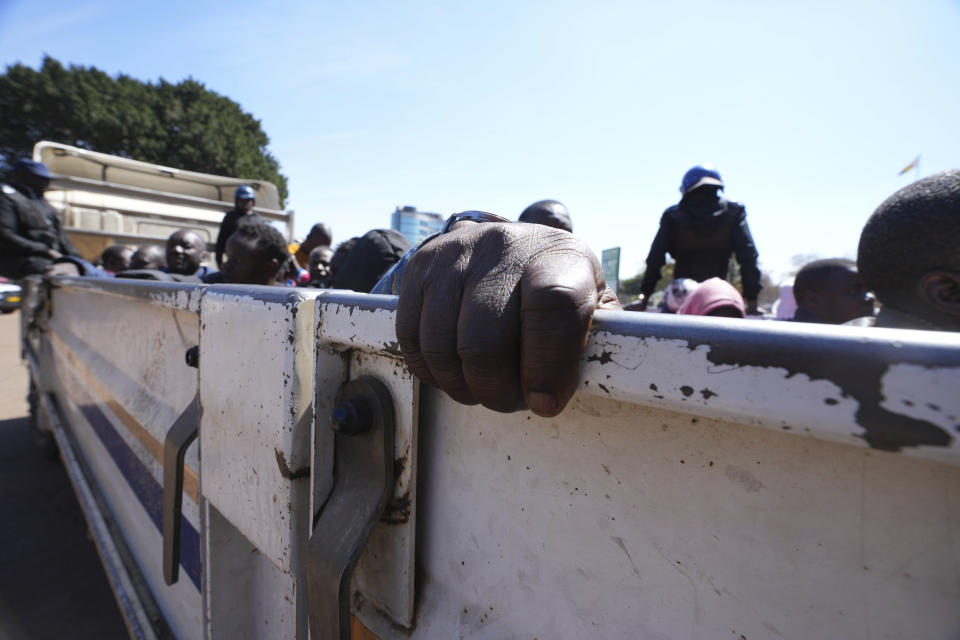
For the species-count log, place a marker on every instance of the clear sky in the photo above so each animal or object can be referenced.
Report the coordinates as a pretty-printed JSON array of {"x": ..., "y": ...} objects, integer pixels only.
[{"x": 808, "y": 109}]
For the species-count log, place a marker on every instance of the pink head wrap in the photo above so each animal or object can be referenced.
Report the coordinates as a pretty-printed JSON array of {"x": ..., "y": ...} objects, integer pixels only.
[{"x": 711, "y": 294}]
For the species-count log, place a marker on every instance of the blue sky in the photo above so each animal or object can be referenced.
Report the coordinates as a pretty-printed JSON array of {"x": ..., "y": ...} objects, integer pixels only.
[{"x": 809, "y": 110}]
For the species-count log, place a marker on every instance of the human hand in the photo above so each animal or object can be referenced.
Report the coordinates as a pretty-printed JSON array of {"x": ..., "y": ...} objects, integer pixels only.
[
  {"x": 498, "y": 314},
  {"x": 639, "y": 305}
]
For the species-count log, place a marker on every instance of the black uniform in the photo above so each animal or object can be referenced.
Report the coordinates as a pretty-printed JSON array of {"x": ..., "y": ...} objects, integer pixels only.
[
  {"x": 29, "y": 229},
  {"x": 701, "y": 233},
  {"x": 228, "y": 227}
]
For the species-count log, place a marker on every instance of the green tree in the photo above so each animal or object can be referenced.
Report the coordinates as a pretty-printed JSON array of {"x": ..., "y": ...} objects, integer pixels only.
[
  {"x": 630, "y": 288},
  {"x": 183, "y": 125}
]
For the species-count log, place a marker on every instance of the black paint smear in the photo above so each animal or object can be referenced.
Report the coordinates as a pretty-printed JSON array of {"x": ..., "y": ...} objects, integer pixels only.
[
  {"x": 653, "y": 387},
  {"x": 686, "y": 390},
  {"x": 603, "y": 358},
  {"x": 858, "y": 374},
  {"x": 707, "y": 393},
  {"x": 830, "y": 353}
]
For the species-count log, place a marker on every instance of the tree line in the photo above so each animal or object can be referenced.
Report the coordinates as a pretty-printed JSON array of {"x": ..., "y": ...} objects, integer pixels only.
[{"x": 182, "y": 125}]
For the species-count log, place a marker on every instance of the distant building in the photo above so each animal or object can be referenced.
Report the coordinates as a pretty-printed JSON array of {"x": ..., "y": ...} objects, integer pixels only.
[{"x": 415, "y": 225}]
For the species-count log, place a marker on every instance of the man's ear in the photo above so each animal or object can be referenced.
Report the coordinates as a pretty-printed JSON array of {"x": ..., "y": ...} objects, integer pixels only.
[
  {"x": 941, "y": 290},
  {"x": 271, "y": 269}
]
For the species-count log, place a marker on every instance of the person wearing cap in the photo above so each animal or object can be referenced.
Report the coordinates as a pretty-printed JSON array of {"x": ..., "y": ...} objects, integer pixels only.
[
  {"x": 243, "y": 198},
  {"x": 713, "y": 297},
  {"x": 701, "y": 232},
  {"x": 30, "y": 234}
]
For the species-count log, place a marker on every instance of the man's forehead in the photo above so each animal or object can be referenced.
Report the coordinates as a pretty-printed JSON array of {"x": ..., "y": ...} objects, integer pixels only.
[{"x": 186, "y": 236}]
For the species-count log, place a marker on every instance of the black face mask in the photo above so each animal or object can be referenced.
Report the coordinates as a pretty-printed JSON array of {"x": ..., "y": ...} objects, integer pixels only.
[{"x": 703, "y": 201}]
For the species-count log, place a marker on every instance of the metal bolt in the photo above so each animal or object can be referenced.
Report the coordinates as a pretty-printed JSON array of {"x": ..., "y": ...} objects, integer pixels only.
[{"x": 351, "y": 417}]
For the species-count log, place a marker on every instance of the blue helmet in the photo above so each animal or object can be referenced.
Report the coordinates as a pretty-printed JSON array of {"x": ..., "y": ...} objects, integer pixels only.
[
  {"x": 244, "y": 192},
  {"x": 32, "y": 166},
  {"x": 698, "y": 176}
]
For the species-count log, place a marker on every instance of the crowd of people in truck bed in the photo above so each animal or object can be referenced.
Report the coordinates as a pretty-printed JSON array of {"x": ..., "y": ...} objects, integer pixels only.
[
  {"x": 701, "y": 232},
  {"x": 497, "y": 312}
]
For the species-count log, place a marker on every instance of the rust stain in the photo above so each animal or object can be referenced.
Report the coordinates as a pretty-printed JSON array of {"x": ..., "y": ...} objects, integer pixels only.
[
  {"x": 359, "y": 631},
  {"x": 399, "y": 465},
  {"x": 398, "y": 511},
  {"x": 286, "y": 472}
]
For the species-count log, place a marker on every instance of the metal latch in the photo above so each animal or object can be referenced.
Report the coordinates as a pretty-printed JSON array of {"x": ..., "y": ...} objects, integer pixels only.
[
  {"x": 363, "y": 484},
  {"x": 175, "y": 445}
]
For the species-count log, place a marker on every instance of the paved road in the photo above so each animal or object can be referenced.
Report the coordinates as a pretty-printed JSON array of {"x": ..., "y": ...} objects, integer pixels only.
[{"x": 51, "y": 582}]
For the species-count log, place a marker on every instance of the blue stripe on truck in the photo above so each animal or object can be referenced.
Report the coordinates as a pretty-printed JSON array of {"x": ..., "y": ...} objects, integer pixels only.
[{"x": 148, "y": 491}]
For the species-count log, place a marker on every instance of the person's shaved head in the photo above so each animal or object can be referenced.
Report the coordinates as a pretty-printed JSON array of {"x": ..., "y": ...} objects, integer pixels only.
[
  {"x": 150, "y": 256},
  {"x": 116, "y": 258},
  {"x": 909, "y": 252},
  {"x": 832, "y": 290},
  {"x": 320, "y": 236},
  {"x": 548, "y": 212}
]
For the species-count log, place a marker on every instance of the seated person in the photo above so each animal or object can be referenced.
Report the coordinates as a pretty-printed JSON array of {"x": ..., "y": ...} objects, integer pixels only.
[
  {"x": 909, "y": 257},
  {"x": 340, "y": 256},
  {"x": 255, "y": 254},
  {"x": 549, "y": 213},
  {"x": 713, "y": 297},
  {"x": 319, "y": 267},
  {"x": 149, "y": 256},
  {"x": 675, "y": 293},
  {"x": 319, "y": 236},
  {"x": 374, "y": 253},
  {"x": 186, "y": 250},
  {"x": 830, "y": 292},
  {"x": 116, "y": 258}
]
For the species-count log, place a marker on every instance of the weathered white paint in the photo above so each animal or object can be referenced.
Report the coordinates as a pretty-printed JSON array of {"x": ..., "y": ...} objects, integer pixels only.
[
  {"x": 359, "y": 321},
  {"x": 639, "y": 512},
  {"x": 124, "y": 354},
  {"x": 616, "y": 521},
  {"x": 256, "y": 391}
]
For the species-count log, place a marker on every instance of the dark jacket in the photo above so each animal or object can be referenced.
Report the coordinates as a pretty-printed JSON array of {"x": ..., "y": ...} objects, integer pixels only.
[
  {"x": 228, "y": 227},
  {"x": 373, "y": 254},
  {"x": 701, "y": 237},
  {"x": 29, "y": 229}
]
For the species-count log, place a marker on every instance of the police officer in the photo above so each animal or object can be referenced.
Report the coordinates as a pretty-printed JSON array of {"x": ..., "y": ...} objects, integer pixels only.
[
  {"x": 30, "y": 234},
  {"x": 701, "y": 232},
  {"x": 243, "y": 199}
]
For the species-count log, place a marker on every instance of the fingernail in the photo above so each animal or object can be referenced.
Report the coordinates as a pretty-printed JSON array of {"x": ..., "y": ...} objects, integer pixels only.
[{"x": 542, "y": 404}]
